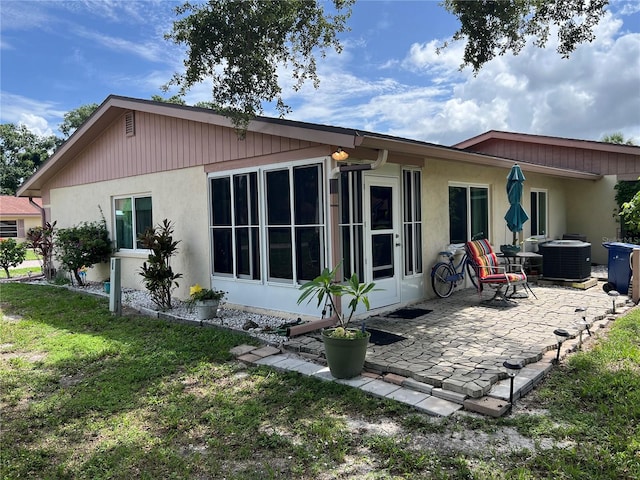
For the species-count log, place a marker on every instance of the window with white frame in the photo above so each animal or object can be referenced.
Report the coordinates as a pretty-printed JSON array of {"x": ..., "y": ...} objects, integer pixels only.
[
  {"x": 8, "y": 229},
  {"x": 235, "y": 226},
  {"x": 294, "y": 223},
  {"x": 539, "y": 210},
  {"x": 290, "y": 235},
  {"x": 351, "y": 224},
  {"x": 133, "y": 216},
  {"x": 412, "y": 221},
  {"x": 468, "y": 212}
]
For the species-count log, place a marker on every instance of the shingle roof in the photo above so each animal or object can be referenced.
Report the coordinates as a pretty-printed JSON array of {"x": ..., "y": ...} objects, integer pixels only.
[{"x": 18, "y": 206}]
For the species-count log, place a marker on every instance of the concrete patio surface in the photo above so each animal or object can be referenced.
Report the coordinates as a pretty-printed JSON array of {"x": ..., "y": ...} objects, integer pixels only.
[{"x": 456, "y": 351}]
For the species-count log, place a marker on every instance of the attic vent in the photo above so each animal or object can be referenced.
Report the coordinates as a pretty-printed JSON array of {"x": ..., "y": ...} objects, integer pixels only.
[{"x": 129, "y": 124}]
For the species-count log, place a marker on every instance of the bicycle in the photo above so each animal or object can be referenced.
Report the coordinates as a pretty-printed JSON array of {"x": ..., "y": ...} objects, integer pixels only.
[{"x": 447, "y": 275}]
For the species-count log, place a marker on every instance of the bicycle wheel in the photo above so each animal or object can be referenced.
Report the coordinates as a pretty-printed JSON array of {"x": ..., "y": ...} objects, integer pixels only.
[
  {"x": 440, "y": 275},
  {"x": 473, "y": 275}
]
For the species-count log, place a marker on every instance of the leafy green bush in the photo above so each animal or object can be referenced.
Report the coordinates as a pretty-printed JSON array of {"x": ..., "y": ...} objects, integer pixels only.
[
  {"x": 159, "y": 278},
  {"x": 83, "y": 246},
  {"x": 41, "y": 240},
  {"x": 12, "y": 254}
]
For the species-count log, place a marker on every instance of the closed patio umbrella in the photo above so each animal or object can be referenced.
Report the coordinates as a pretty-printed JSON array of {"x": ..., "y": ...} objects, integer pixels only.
[{"x": 515, "y": 216}]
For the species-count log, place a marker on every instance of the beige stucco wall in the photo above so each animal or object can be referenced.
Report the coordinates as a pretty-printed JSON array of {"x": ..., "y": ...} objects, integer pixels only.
[
  {"x": 591, "y": 206},
  {"x": 179, "y": 195},
  {"x": 438, "y": 175}
]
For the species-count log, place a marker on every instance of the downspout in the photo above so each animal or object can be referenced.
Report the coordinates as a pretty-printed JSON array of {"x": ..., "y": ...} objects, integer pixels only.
[
  {"x": 382, "y": 159},
  {"x": 42, "y": 212}
]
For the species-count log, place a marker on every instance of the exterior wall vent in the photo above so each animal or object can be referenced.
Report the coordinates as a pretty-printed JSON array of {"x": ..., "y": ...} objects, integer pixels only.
[{"x": 130, "y": 124}]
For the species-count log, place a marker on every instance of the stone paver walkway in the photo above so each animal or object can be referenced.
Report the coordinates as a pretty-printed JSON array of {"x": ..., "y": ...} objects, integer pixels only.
[{"x": 455, "y": 353}]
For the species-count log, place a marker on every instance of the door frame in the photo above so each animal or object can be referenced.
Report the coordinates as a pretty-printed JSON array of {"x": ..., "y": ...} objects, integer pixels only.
[{"x": 387, "y": 290}]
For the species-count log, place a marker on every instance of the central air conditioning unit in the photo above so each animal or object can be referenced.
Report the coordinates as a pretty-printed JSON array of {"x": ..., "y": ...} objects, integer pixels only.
[{"x": 566, "y": 260}]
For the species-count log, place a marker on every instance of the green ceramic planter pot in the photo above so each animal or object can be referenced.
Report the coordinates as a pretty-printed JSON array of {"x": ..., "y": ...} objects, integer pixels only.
[{"x": 345, "y": 356}]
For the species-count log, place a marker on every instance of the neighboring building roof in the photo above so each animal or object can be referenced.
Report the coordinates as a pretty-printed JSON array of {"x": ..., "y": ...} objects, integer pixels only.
[
  {"x": 19, "y": 207},
  {"x": 115, "y": 106},
  {"x": 603, "y": 158}
]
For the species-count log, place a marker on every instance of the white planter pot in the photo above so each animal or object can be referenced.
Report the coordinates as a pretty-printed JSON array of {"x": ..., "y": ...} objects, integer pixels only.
[{"x": 206, "y": 309}]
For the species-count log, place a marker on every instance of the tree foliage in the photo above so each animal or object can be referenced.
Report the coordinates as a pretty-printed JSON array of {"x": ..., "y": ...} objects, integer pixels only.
[
  {"x": 76, "y": 117},
  {"x": 83, "y": 245},
  {"x": 239, "y": 45},
  {"x": 12, "y": 254},
  {"x": 617, "y": 138},
  {"x": 159, "y": 278},
  {"x": 21, "y": 153},
  {"x": 493, "y": 28}
]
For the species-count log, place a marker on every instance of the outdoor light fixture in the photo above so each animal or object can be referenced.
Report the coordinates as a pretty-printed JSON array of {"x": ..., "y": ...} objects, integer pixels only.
[
  {"x": 614, "y": 295},
  {"x": 339, "y": 155},
  {"x": 581, "y": 321},
  {"x": 561, "y": 335},
  {"x": 513, "y": 368}
]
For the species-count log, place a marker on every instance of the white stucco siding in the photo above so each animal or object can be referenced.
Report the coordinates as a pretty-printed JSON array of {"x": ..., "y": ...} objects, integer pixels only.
[{"x": 179, "y": 196}]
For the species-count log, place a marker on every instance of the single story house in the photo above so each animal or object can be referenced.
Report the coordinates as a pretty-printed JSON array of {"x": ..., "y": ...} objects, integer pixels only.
[
  {"x": 18, "y": 215},
  {"x": 260, "y": 214},
  {"x": 593, "y": 211}
]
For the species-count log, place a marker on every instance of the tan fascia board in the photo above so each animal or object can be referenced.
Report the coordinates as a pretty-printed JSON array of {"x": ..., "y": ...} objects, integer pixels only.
[{"x": 453, "y": 154}]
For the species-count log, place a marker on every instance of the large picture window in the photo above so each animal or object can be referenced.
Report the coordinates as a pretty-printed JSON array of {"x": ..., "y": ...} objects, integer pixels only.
[
  {"x": 235, "y": 226},
  {"x": 538, "y": 212},
  {"x": 412, "y": 221},
  {"x": 468, "y": 212},
  {"x": 293, "y": 224},
  {"x": 133, "y": 216}
]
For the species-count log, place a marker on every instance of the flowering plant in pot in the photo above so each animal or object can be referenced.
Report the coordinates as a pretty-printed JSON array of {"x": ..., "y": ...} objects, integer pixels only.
[
  {"x": 345, "y": 348},
  {"x": 205, "y": 301}
]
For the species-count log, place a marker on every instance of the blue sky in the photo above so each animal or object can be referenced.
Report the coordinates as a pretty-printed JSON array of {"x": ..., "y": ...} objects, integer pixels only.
[{"x": 58, "y": 55}]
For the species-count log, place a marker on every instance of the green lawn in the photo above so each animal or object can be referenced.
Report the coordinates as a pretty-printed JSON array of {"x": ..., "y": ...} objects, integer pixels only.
[
  {"x": 18, "y": 272},
  {"x": 87, "y": 395}
]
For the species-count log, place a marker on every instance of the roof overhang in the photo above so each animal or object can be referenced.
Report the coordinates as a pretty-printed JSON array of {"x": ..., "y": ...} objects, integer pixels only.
[{"x": 115, "y": 106}]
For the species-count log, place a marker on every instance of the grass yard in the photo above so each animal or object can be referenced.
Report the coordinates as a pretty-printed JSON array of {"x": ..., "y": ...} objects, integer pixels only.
[
  {"x": 85, "y": 395},
  {"x": 19, "y": 272}
]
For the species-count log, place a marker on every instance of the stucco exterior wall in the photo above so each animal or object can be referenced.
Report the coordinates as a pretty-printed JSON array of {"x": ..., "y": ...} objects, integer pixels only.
[
  {"x": 438, "y": 175},
  {"x": 592, "y": 213},
  {"x": 179, "y": 195}
]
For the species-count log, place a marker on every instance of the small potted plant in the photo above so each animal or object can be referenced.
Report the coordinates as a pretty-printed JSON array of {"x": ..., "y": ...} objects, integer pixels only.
[
  {"x": 205, "y": 301},
  {"x": 345, "y": 348}
]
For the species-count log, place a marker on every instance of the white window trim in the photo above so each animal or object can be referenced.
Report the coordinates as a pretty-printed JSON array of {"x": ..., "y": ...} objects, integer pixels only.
[
  {"x": 546, "y": 208},
  {"x": 413, "y": 222},
  {"x": 133, "y": 220},
  {"x": 468, "y": 186},
  {"x": 261, "y": 172}
]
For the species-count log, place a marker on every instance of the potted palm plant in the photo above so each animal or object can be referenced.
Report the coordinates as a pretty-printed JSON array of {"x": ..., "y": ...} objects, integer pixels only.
[
  {"x": 345, "y": 348},
  {"x": 205, "y": 301}
]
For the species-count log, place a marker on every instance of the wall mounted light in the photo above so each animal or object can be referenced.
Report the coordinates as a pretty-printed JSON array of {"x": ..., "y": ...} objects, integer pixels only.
[
  {"x": 513, "y": 368},
  {"x": 561, "y": 335},
  {"x": 339, "y": 155}
]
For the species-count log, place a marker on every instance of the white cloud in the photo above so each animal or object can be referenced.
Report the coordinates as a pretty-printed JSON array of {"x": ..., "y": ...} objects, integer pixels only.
[
  {"x": 594, "y": 92},
  {"x": 36, "y": 115}
]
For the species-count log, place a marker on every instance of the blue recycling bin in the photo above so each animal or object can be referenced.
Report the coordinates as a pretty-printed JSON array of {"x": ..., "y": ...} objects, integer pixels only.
[{"x": 619, "y": 266}]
